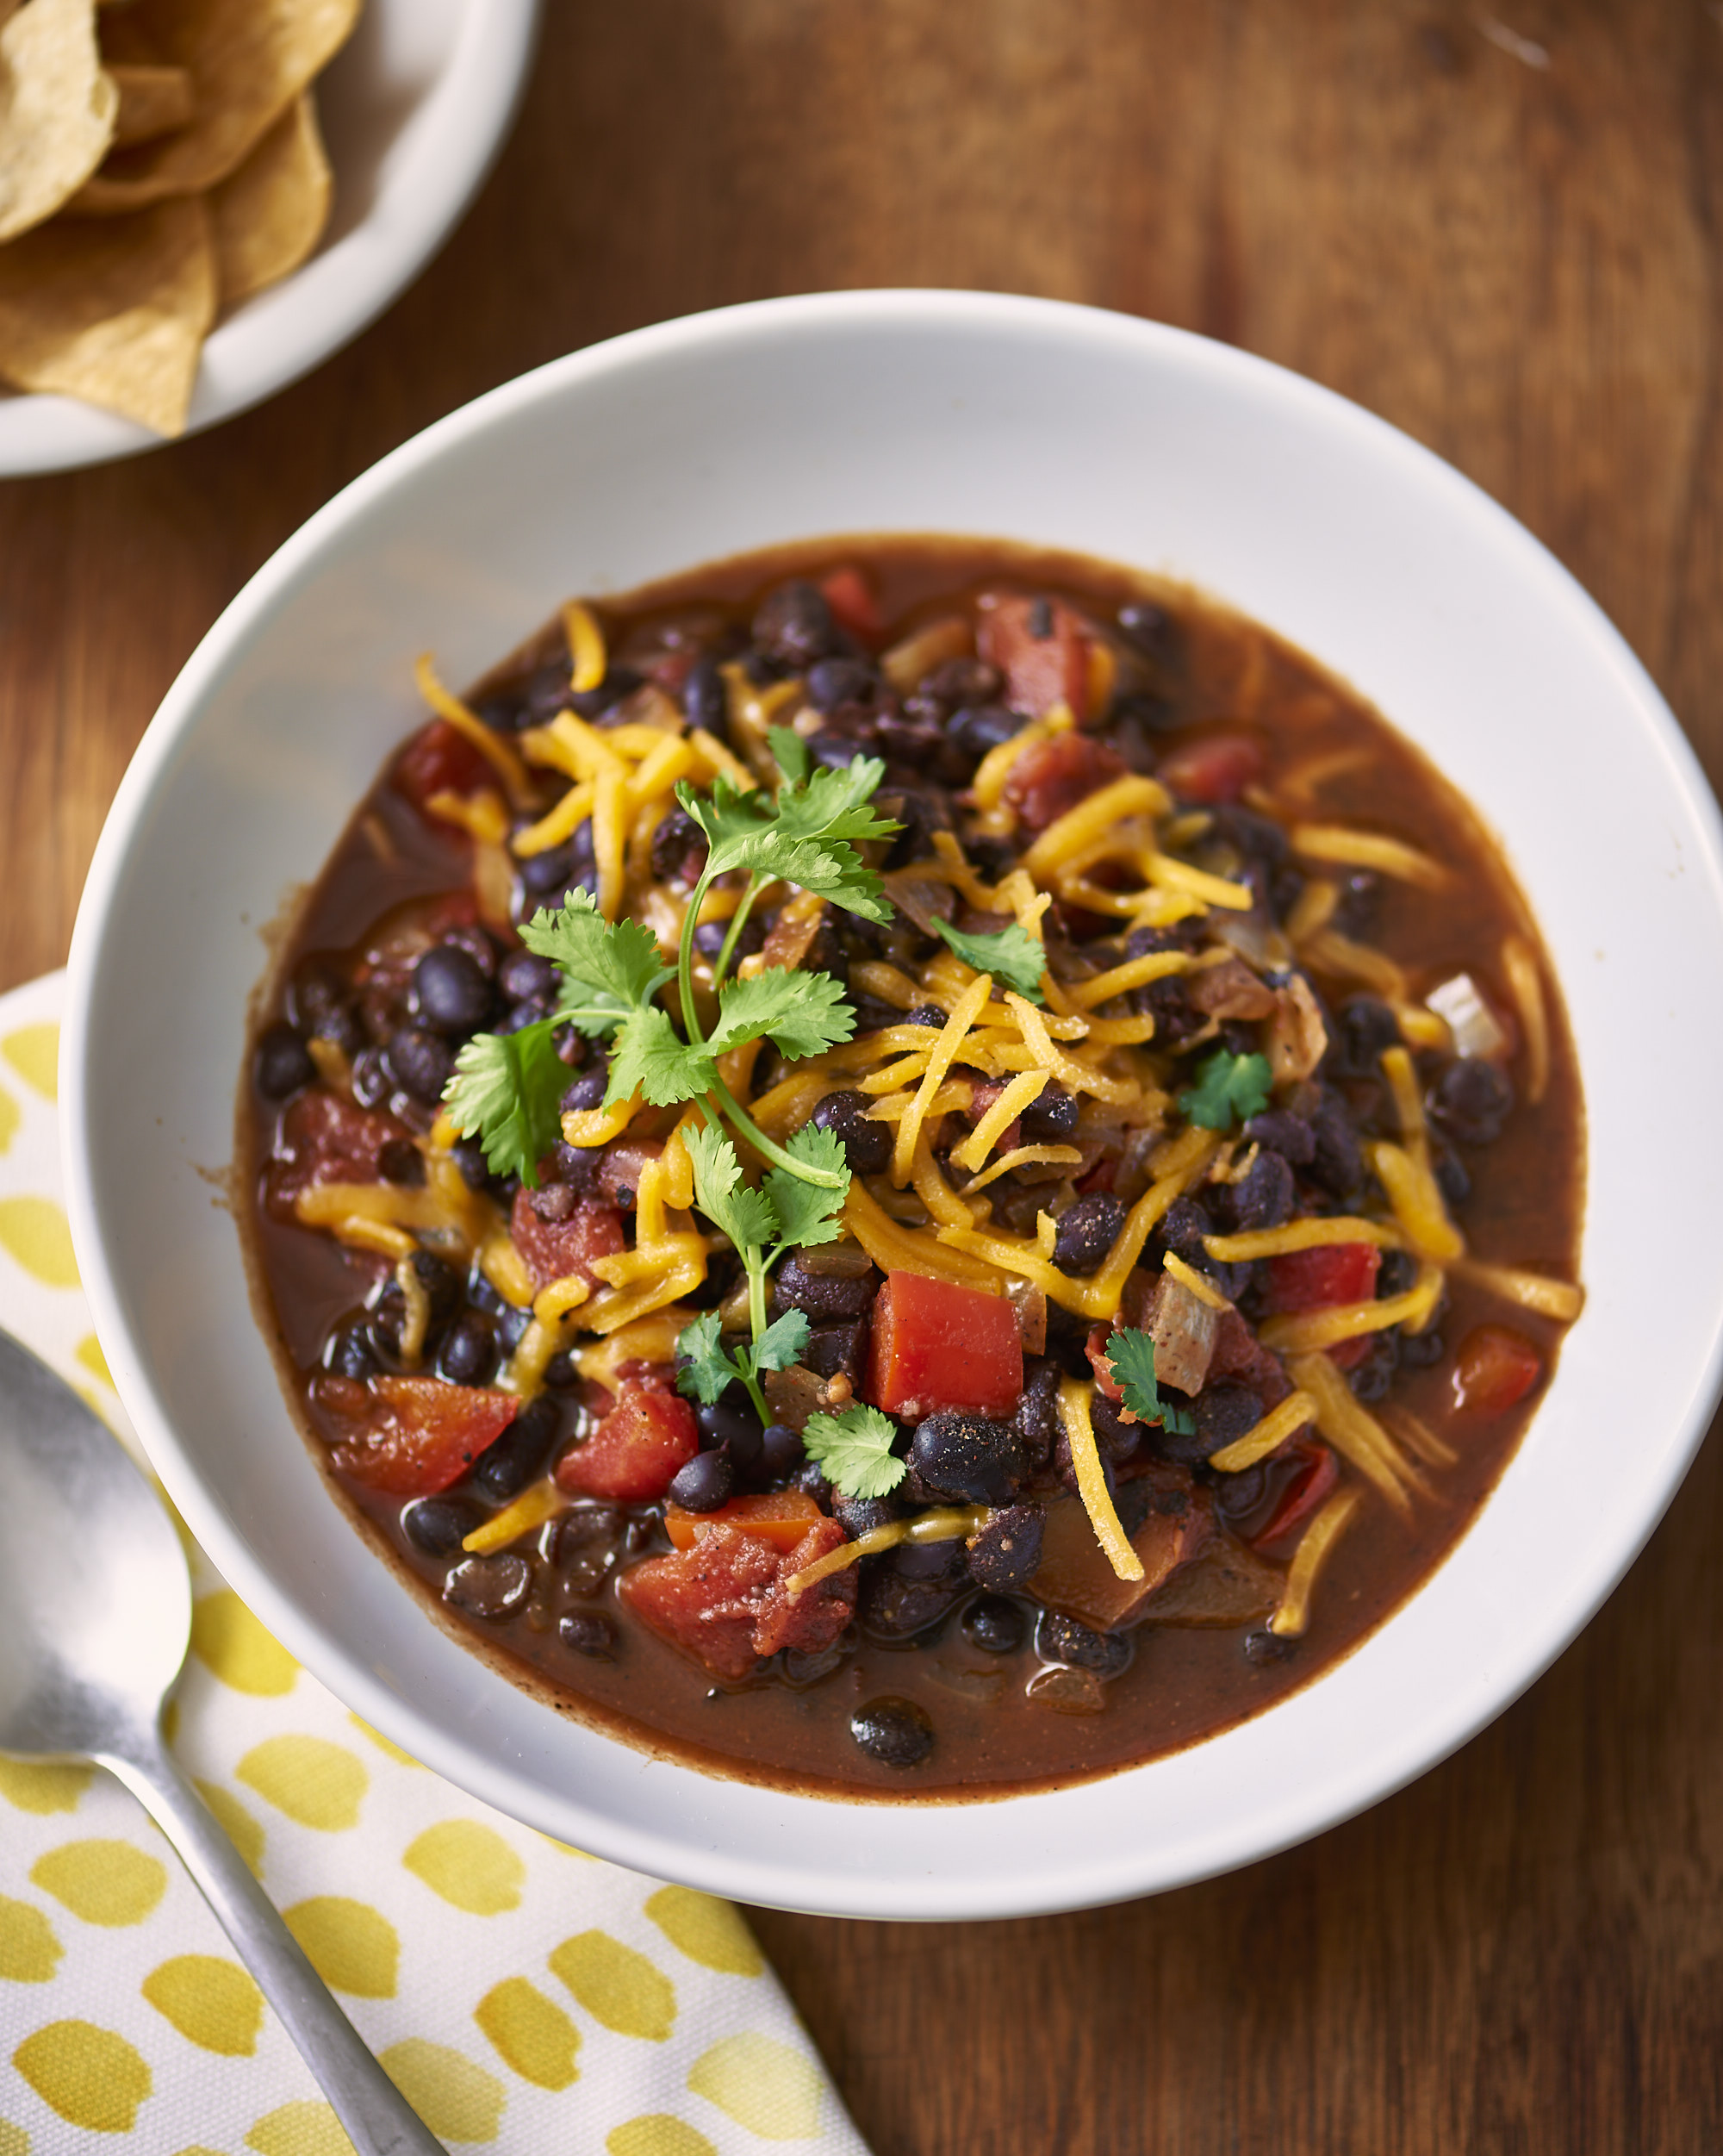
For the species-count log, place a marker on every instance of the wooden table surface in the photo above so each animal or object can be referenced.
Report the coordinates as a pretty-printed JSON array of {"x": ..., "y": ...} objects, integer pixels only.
[{"x": 1502, "y": 234}]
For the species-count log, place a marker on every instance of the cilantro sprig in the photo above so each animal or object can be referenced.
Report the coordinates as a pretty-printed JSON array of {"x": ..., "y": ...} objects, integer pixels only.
[
  {"x": 507, "y": 1089},
  {"x": 784, "y": 1213},
  {"x": 854, "y": 1451},
  {"x": 1010, "y": 955},
  {"x": 1226, "y": 1085},
  {"x": 1132, "y": 1357}
]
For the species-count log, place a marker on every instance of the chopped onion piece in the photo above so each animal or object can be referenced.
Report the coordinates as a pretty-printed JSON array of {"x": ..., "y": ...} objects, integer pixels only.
[{"x": 1470, "y": 1019}]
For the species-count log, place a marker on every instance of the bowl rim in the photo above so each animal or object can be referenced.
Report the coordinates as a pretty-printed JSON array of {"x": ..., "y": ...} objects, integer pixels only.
[
  {"x": 460, "y": 123},
  {"x": 1060, "y": 1880}
]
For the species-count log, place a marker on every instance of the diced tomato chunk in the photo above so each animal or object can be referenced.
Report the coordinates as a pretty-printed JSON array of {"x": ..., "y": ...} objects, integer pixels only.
[
  {"x": 706, "y": 1599},
  {"x": 1050, "y": 777},
  {"x": 637, "y": 1450},
  {"x": 1041, "y": 670},
  {"x": 1240, "y": 1358},
  {"x": 724, "y": 1599},
  {"x": 1317, "y": 1475},
  {"x": 854, "y": 606},
  {"x": 782, "y": 1518},
  {"x": 439, "y": 760},
  {"x": 555, "y": 1249},
  {"x": 938, "y": 1346},
  {"x": 1217, "y": 769},
  {"x": 413, "y": 1436},
  {"x": 812, "y": 1620},
  {"x": 324, "y": 1138},
  {"x": 1332, "y": 1273},
  {"x": 1494, "y": 1370}
]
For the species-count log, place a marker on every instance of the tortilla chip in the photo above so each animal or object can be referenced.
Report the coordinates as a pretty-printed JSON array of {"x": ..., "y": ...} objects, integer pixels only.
[
  {"x": 269, "y": 214},
  {"x": 115, "y": 312},
  {"x": 153, "y": 101},
  {"x": 248, "y": 60},
  {"x": 57, "y": 109}
]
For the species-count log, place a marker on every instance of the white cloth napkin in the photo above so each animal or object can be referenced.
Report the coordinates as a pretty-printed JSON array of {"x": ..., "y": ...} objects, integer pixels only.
[{"x": 527, "y": 1999}]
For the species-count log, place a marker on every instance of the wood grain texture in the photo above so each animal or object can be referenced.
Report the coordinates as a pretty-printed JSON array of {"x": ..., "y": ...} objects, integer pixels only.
[{"x": 1501, "y": 233}]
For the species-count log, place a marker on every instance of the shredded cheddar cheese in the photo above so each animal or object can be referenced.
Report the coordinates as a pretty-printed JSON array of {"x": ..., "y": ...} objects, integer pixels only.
[
  {"x": 1293, "y": 1614},
  {"x": 1266, "y": 1437},
  {"x": 1091, "y": 1483}
]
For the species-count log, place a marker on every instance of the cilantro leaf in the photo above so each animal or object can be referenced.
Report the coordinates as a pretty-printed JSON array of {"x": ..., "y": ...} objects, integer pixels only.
[
  {"x": 789, "y": 752},
  {"x": 650, "y": 1057},
  {"x": 803, "y": 837},
  {"x": 508, "y": 1087},
  {"x": 1132, "y": 1357},
  {"x": 1227, "y": 1085},
  {"x": 746, "y": 1216},
  {"x": 855, "y": 1450},
  {"x": 706, "y": 1372},
  {"x": 608, "y": 971},
  {"x": 799, "y": 1013},
  {"x": 782, "y": 1342},
  {"x": 1010, "y": 955},
  {"x": 808, "y": 1212}
]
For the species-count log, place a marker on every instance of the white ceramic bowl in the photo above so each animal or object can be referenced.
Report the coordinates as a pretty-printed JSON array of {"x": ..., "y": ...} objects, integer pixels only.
[
  {"x": 905, "y": 411},
  {"x": 413, "y": 109}
]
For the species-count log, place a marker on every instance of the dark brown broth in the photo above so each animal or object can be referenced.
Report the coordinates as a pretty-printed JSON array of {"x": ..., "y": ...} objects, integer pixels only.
[{"x": 1184, "y": 1685}]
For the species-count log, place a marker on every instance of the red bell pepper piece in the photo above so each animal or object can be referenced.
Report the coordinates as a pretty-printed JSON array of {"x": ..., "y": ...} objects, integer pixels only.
[
  {"x": 1332, "y": 1273},
  {"x": 1318, "y": 1475},
  {"x": 1040, "y": 671},
  {"x": 937, "y": 1346},
  {"x": 854, "y": 606},
  {"x": 782, "y": 1518},
  {"x": 1216, "y": 770},
  {"x": 1494, "y": 1370},
  {"x": 637, "y": 1450},
  {"x": 439, "y": 760},
  {"x": 414, "y": 1436}
]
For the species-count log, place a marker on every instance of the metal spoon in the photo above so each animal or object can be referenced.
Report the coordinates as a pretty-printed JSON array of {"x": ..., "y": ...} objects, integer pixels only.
[{"x": 95, "y": 1619}]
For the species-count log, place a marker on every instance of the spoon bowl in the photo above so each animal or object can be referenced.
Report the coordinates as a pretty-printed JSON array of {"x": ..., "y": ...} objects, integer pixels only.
[{"x": 95, "y": 1619}]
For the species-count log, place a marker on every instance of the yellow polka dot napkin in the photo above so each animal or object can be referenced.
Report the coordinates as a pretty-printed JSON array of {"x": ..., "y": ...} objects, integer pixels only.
[{"x": 526, "y": 1998}]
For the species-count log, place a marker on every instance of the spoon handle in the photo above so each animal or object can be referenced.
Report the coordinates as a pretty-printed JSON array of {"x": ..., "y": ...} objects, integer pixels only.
[{"x": 379, "y": 2119}]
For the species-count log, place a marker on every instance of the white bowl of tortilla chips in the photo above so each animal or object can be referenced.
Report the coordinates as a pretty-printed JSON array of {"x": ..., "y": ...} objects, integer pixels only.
[{"x": 200, "y": 200}]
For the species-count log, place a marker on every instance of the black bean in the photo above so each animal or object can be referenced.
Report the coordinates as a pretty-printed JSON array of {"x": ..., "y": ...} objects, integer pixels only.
[
  {"x": 794, "y": 625},
  {"x": 1364, "y": 1027},
  {"x": 552, "y": 870},
  {"x": 923, "y": 1014},
  {"x": 1005, "y": 1551},
  {"x": 842, "y": 1345},
  {"x": 467, "y": 1155},
  {"x": 505, "y": 1467},
  {"x": 860, "y": 1516},
  {"x": 679, "y": 847},
  {"x": 1037, "y": 1412},
  {"x": 349, "y": 1352},
  {"x": 896, "y": 1605},
  {"x": 1224, "y": 1412},
  {"x": 836, "y": 752},
  {"x": 450, "y": 993},
  {"x": 1337, "y": 1164},
  {"x": 524, "y": 977},
  {"x": 704, "y": 1484},
  {"x": 811, "y": 1477},
  {"x": 592, "y": 703},
  {"x": 978, "y": 728},
  {"x": 401, "y": 1162},
  {"x": 1355, "y": 915},
  {"x": 1283, "y": 1133},
  {"x": 1148, "y": 627},
  {"x": 1062, "y": 1639},
  {"x": 1051, "y": 1116},
  {"x": 835, "y": 681},
  {"x": 1421, "y": 1350},
  {"x": 469, "y": 1351},
  {"x": 994, "y": 1625},
  {"x": 1371, "y": 1377},
  {"x": 1452, "y": 1176},
  {"x": 969, "y": 1459},
  {"x": 419, "y": 1063},
  {"x": 706, "y": 699},
  {"x": 1396, "y": 1273},
  {"x": 561, "y": 1372},
  {"x": 1264, "y": 1198},
  {"x": 1087, "y": 1231},
  {"x": 1471, "y": 1100},
  {"x": 587, "y": 1527},
  {"x": 588, "y": 1633},
  {"x": 439, "y": 1525},
  {"x": 823, "y": 1296},
  {"x": 493, "y": 1587},
  {"x": 896, "y": 1732},
  {"x": 587, "y": 1091},
  {"x": 1264, "y": 1646},
  {"x": 723, "y": 1423},
  {"x": 1237, "y": 1496},
  {"x": 519, "y": 1016},
  {"x": 284, "y": 1063},
  {"x": 781, "y": 1452}
]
